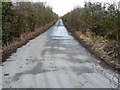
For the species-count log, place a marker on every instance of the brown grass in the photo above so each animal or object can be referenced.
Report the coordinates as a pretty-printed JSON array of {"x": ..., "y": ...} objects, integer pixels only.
[
  {"x": 5, "y": 52},
  {"x": 103, "y": 48}
]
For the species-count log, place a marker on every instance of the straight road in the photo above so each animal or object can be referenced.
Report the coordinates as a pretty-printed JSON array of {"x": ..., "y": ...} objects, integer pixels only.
[{"x": 56, "y": 60}]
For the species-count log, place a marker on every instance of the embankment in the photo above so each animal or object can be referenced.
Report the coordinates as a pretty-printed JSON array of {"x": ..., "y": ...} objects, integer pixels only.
[
  {"x": 102, "y": 48},
  {"x": 12, "y": 47}
]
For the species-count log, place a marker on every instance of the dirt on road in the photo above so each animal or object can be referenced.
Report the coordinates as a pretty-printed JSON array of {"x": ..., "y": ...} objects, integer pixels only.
[
  {"x": 56, "y": 60},
  {"x": 6, "y": 51}
]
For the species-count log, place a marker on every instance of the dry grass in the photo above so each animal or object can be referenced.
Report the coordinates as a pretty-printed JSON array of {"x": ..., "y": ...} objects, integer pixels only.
[
  {"x": 104, "y": 48},
  {"x": 6, "y": 51}
]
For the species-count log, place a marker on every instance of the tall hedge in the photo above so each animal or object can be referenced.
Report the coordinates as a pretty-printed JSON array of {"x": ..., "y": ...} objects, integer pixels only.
[
  {"x": 98, "y": 18},
  {"x": 23, "y": 17},
  {"x": 102, "y": 19}
]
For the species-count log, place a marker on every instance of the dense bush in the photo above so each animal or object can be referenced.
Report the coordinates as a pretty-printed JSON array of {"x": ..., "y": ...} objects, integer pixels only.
[
  {"x": 23, "y": 17},
  {"x": 102, "y": 19},
  {"x": 0, "y": 24}
]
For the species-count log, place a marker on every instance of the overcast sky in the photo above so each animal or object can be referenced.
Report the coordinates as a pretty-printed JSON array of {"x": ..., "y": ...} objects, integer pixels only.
[{"x": 61, "y": 7}]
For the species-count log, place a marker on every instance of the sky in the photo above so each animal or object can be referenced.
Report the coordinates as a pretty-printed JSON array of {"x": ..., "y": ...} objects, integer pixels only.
[{"x": 62, "y": 7}]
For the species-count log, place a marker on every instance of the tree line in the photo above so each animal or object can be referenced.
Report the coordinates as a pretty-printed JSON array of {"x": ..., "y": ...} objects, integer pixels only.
[
  {"x": 23, "y": 17},
  {"x": 101, "y": 19}
]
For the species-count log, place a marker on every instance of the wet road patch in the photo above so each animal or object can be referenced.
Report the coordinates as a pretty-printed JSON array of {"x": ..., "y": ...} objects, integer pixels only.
[{"x": 82, "y": 69}]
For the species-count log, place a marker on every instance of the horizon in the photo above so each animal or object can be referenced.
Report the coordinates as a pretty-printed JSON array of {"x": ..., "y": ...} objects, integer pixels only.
[{"x": 62, "y": 7}]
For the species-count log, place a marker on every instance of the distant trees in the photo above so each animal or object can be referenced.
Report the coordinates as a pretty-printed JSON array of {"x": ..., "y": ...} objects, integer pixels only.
[
  {"x": 0, "y": 24},
  {"x": 103, "y": 20},
  {"x": 99, "y": 20},
  {"x": 23, "y": 17}
]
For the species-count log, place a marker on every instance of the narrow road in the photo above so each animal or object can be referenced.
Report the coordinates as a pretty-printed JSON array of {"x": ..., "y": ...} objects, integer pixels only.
[{"x": 56, "y": 60}]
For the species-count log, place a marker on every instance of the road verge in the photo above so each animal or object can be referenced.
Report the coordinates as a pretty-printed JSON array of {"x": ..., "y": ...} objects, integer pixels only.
[
  {"x": 103, "y": 49},
  {"x": 13, "y": 46}
]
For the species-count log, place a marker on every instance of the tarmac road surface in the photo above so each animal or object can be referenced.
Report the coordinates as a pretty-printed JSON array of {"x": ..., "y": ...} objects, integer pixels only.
[{"x": 55, "y": 59}]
